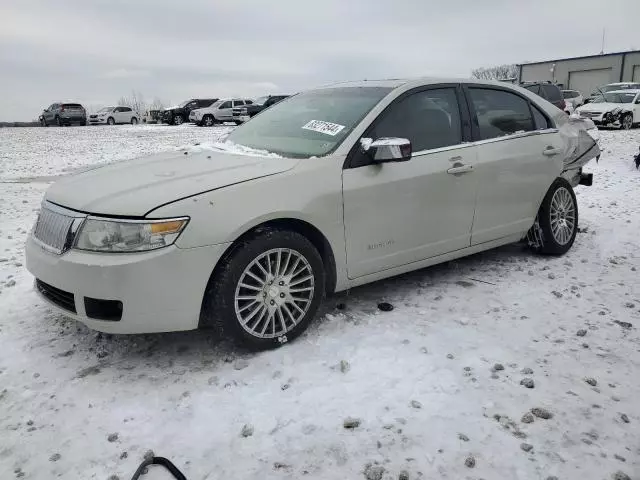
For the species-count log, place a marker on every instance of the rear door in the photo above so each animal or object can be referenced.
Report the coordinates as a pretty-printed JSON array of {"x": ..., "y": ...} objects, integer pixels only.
[
  {"x": 399, "y": 213},
  {"x": 50, "y": 113},
  {"x": 519, "y": 154},
  {"x": 126, "y": 114}
]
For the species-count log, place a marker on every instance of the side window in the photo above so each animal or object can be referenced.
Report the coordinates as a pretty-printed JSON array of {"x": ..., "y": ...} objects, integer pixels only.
[
  {"x": 248, "y": 102},
  {"x": 238, "y": 103},
  {"x": 225, "y": 105},
  {"x": 533, "y": 88},
  {"x": 429, "y": 119},
  {"x": 52, "y": 106},
  {"x": 551, "y": 93},
  {"x": 125, "y": 109},
  {"x": 117, "y": 109},
  {"x": 540, "y": 120},
  {"x": 500, "y": 113}
]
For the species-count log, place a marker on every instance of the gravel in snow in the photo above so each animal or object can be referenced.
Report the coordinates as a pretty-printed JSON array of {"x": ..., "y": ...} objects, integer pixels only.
[{"x": 176, "y": 394}]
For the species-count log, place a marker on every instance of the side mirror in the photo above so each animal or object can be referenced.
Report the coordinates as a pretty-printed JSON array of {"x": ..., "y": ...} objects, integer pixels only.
[{"x": 385, "y": 150}]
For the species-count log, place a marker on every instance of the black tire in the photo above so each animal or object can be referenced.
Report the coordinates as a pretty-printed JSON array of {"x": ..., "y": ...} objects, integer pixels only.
[
  {"x": 219, "y": 302},
  {"x": 626, "y": 122},
  {"x": 178, "y": 120},
  {"x": 134, "y": 121},
  {"x": 111, "y": 121},
  {"x": 208, "y": 121},
  {"x": 83, "y": 124},
  {"x": 541, "y": 236}
]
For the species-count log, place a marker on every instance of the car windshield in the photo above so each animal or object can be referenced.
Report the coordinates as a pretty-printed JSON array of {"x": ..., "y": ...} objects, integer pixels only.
[
  {"x": 105, "y": 109},
  {"x": 261, "y": 100},
  {"x": 183, "y": 103},
  {"x": 615, "y": 98},
  {"x": 309, "y": 124}
]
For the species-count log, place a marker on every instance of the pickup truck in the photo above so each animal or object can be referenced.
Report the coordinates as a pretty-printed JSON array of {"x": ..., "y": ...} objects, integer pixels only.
[{"x": 242, "y": 114}]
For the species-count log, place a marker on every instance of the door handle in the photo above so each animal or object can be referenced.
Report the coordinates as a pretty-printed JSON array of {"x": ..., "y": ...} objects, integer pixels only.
[
  {"x": 459, "y": 169},
  {"x": 550, "y": 151}
]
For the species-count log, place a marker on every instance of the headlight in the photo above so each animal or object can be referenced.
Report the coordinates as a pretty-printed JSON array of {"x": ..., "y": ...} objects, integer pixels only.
[{"x": 105, "y": 235}]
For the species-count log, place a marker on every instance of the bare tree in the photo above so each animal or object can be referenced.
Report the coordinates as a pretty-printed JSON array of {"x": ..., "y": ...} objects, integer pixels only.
[
  {"x": 499, "y": 72},
  {"x": 135, "y": 101},
  {"x": 157, "y": 104}
]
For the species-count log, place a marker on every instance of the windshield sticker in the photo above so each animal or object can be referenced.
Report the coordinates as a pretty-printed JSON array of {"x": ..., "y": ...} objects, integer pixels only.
[{"x": 327, "y": 128}]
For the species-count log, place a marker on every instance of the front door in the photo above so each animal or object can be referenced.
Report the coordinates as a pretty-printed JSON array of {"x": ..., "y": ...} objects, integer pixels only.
[
  {"x": 399, "y": 213},
  {"x": 224, "y": 111},
  {"x": 519, "y": 155}
]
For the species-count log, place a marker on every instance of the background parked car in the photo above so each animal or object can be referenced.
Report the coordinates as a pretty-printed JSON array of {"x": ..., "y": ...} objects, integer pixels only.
[
  {"x": 180, "y": 113},
  {"x": 218, "y": 112},
  {"x": 547, "y": 90},
  {"x": 63, "y": 114},
  {"x": 610, "y": 87},
  {"x": 152, "y": 116},
  {"x": 618, "y": 108},
  {"x": 573, "y": 98},
  {"x": 242, "y": 114},
  {"x": 114, "y": 115}
]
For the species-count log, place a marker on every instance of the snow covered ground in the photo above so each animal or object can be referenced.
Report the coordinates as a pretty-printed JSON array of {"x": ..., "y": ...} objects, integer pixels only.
[{"x": 433, "y": 383}]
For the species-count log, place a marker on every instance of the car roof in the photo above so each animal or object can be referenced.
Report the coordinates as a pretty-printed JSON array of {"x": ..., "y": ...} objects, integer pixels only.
[
  {"x": 411, "y": 82},
  {"x": 628, "y": 90},
  {"x": 623, "y": 83}
]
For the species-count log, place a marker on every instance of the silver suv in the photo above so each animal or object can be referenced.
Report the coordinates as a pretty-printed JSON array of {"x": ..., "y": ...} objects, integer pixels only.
[{"x": 220, "y": 112}]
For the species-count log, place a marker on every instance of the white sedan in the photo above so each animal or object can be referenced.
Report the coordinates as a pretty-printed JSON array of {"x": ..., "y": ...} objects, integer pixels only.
[
  {"x": 620, "y": 108},
  {"x": 113, "y": 116},
  {"x": 334, "y": 188}
]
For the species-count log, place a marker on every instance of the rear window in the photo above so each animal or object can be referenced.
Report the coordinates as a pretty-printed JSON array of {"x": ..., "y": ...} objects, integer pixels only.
[
  {"x": 71, "y": 105},
  {"x": 569, "y": 94},
  {"x": 533, "y": 88},
  {"x": 551, "y": 93}
]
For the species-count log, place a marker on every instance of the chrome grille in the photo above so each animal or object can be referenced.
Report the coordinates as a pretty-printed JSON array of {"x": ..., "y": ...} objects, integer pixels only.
[{"x": 53, "y": 230}]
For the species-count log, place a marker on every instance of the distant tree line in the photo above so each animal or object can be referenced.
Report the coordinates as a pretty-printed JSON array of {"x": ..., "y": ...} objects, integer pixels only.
[
  {"x": 499, "y": 72},
  {"x": 137, "y": 102}
]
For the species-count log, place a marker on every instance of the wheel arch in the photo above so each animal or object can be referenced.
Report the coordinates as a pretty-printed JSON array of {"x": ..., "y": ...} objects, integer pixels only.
[{"x": 308, "y": 230}]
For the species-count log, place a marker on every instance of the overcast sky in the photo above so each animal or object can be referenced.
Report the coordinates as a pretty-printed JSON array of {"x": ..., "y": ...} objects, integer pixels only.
[{"x": 94, "y": 51}]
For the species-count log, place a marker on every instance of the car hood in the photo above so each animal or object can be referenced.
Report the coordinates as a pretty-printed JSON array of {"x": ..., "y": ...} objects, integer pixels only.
[
  {"x": 602, "y": 107},
  {"x": 135, "y": 187}
]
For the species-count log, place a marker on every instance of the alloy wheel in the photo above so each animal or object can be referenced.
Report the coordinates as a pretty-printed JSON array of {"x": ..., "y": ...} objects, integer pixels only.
[
  {"x": 274, "y": 293},
  {"x": 562, "y": 216},
  {"x": 208, "y": 121},
  {"x": 627, "y": 122}
]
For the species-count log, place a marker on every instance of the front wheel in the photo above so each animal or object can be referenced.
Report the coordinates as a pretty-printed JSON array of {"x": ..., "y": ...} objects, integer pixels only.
[
  {"x": 208, "y": 121},
  {"x": 267, "y": 290},
  {"x": 178, "y": 120},
  {"x": 111, "y": 121},
  {"x": 627, "y": 122},
  {"x": 557, "y": 222}
]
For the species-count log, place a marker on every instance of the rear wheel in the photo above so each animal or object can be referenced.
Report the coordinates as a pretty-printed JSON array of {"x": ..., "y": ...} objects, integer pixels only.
[
  {"x": 557, "y": 222},
  {"x": 178, "y": 120},
  {"x": 268, "y": 289},
  {"x": 208, "y": 121},
  {"x": 134, "y": 121},
  {"x": 627, "y": 121}
]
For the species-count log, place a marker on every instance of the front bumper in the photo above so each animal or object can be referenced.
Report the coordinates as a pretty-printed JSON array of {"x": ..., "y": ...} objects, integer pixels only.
[
  {"x": 98, "y": 121},
  {"x": 160, "y": 291}
]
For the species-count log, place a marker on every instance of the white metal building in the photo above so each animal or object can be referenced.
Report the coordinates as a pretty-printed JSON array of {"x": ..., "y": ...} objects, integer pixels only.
[{"x": 585, "y": 73}]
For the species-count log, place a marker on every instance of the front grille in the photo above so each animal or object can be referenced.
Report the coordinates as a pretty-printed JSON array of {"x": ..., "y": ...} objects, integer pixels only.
[
  {"x": 93, "y": 116},
  {"x": 53, "y": 230},
  {"x": 59, "y": 297},
  {"x": 590, "y": 114}
]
